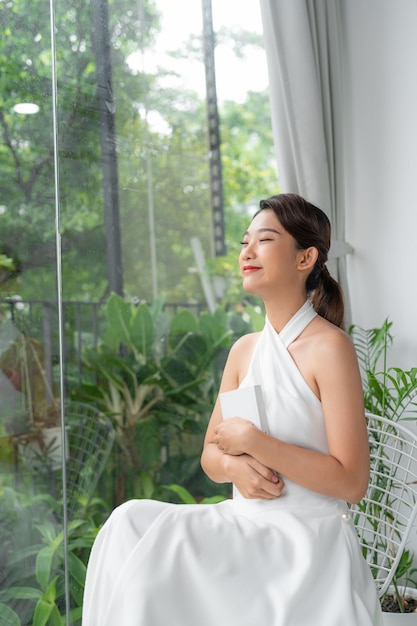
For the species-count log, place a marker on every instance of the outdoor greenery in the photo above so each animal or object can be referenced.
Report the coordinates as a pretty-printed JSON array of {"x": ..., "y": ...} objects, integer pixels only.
[
  {"x": 168, "y": 160},
  {"x": 156, "y": 375},
  {"x": 32, "y": 554}
]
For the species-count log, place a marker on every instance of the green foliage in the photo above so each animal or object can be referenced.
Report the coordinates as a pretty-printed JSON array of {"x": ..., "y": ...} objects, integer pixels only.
[
  {"x": 388, "y": 391},
  {"x": 32, "y": 581},
  {"x": 170, "y": 159},
  {"x": 247, "y": 156},
  {"x": 152, "y": 373},
  {"x": 187, "y": 498}
]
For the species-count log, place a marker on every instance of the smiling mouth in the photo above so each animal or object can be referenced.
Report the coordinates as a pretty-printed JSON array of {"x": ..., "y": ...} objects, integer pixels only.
[{"x": 250, "y": 268}]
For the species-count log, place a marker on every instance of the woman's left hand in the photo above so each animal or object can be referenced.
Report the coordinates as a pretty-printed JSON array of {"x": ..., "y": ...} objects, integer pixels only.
[{"x": 231, "y": 435}]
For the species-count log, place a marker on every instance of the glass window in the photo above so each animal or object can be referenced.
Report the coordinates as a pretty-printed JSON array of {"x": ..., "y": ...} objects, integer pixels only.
[{"x": 106, "y": 186}]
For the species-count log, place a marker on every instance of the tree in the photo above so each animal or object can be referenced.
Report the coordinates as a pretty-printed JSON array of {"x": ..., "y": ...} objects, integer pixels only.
[
  {"x": 164, "y": 165},
  {"x": 27, "y": 163}
]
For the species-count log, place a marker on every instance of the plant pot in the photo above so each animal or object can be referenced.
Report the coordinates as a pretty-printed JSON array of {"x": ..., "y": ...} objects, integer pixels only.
[
  {"x": 44, "y": 452},
  {"x": 401, "y": 619}
]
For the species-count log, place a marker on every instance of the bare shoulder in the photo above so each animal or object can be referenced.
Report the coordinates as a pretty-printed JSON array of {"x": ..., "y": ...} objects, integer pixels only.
[
  {"x": 325, "y": 354},
  {"x": 246, "y": 342},
  {"x": 327, "y": 340},
  {"x": 332, "y": 355},
  {"x": 241, "y": 352}
]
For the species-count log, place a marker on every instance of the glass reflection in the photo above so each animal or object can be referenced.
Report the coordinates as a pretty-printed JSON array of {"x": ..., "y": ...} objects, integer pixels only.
[{"x": 132, "y": 166}]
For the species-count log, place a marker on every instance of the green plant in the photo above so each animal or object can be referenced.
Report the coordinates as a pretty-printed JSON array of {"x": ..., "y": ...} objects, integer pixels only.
[
  {"x": 154, "y": 374},
  {"x": 186, "y": 497},
  {"x": 390, "y": 392},
  {"x": 32, "y": 581}
]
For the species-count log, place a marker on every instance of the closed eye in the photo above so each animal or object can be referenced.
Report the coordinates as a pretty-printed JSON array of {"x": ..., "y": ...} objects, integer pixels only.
[{"x": 245, "y": 243}]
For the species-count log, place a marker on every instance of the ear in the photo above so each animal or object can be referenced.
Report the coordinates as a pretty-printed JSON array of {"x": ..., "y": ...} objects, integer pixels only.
[{"x": 307, "y": 258}]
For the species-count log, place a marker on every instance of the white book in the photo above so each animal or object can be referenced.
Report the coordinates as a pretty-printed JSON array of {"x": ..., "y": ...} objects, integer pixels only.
[
  {"x": 245, "y": 402},
  {"x": 248, "y": 403}
]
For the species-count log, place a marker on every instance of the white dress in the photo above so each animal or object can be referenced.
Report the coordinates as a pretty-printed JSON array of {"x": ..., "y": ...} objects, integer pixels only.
[{"x": 292, "y": 561}]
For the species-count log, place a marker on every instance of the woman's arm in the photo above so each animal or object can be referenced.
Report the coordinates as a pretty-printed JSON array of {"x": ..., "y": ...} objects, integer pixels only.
[
  {"x": 251, "y": 477},
  {"x": 344, "y": 471}
]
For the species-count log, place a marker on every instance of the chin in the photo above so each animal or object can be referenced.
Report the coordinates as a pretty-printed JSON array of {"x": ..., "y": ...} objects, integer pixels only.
[{"x": 251, "y": 289}]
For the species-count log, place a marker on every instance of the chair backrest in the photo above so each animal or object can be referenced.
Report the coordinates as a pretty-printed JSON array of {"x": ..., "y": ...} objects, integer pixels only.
[
  {"x": 386, "y": 514},
  {"x": 90, "y": 437}
]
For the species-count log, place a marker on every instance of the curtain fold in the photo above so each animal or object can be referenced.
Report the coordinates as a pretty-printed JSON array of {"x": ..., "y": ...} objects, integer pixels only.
[{"x": 304, "y": 46}]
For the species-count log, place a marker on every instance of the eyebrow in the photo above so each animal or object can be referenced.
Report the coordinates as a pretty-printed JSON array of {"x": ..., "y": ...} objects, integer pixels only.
[{"x": 263, "y": 230}]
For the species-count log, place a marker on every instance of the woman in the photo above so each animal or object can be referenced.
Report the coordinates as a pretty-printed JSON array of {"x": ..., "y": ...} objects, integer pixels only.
[{"x": 284, "y": 552}]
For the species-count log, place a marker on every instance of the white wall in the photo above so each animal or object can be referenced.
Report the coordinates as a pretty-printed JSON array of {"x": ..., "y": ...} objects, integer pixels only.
[{"x": 381, "y": 133}]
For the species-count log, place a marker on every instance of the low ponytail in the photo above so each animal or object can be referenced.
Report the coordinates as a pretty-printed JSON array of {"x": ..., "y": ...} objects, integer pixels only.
[
  {"x": 310, "y": 226},
  {"x": 327, "y": 298}
]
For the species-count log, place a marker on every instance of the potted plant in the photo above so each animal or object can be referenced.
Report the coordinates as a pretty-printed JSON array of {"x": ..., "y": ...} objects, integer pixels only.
[
  {"x": 390, "y": 392},
  {"x": 34, "y": 424}
]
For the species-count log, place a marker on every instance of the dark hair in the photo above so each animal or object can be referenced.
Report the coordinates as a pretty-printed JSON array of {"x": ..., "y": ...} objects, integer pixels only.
[{"x": 310, "y": 226}]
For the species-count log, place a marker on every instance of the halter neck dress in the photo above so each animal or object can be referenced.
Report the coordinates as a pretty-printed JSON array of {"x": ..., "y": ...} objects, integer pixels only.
[{"x": 292, "y": 561}]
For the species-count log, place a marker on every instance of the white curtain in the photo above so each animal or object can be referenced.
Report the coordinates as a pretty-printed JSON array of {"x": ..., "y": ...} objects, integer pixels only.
[{"x": 304, "y": 46}]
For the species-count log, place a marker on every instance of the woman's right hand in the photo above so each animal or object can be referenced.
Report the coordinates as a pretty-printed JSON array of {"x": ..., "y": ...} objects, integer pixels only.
[{"x": 251, "y": 478}]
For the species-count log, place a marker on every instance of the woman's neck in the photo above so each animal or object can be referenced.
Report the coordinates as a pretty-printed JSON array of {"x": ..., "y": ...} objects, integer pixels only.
[{"x": 280, "y": 313}]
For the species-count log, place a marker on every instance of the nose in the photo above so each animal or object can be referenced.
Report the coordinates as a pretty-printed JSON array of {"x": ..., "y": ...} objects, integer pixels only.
[{"x": 247, "y": 252}]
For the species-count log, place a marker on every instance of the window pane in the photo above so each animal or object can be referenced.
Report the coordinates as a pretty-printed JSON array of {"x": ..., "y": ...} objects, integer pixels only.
[{"x": 105, "y": 178}]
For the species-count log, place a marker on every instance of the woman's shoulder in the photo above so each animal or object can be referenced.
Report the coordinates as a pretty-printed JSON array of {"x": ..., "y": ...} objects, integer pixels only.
[
  {"x": 240, "y": 355},
  {"x": 325, "y": 354},
  {"x": 245, "y": 342},
  {"x": 326, "y": 338}
]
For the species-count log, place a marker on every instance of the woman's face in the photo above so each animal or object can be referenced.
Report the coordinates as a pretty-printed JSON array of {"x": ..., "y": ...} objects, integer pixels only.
[{"x": 268, "y": 259}]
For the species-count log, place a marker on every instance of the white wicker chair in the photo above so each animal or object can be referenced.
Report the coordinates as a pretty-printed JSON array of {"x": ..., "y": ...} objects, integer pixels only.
[
  {"x": 385, "y": 516},
  {"x": 90, "y": 436}
]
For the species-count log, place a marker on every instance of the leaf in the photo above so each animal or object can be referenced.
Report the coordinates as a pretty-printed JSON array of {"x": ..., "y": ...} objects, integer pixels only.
[
  {"x": 141, "y": 330},
  {"x": 156, "y": 307},
  {"x": 76, "y": 614},
  {"x": 183, "y": 493},
  {"x": 404, "y": 564},
  {"x": 118, "y": 315},
  {"x": 213, "y": 500},
  {"x": 192, "y": 350},
  {"x": 48, "y": 531},
  {"x": 42, "y": 613},
  {"x": 8, "y": 617},
  {"x": 77, "y": 569},
  {"x": 182, "y": 323},
  {"x": 147, "y": 485},
  {"x": 214, "y": 329},
  {"x": 20, "y": 593},
  {"x": 370, "y": 345},
  {"x": 44, "y": 566},
  {"x": 160, "y": 329},
  {"x": 148, "y": 440}
]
